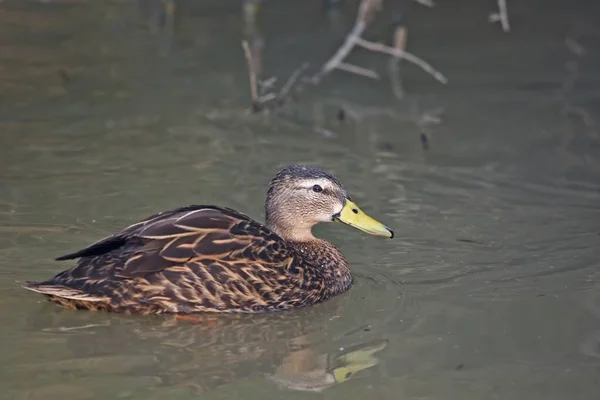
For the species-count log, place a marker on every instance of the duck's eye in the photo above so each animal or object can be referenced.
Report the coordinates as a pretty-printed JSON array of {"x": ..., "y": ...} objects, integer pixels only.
[{"x": 317, "y": 189}]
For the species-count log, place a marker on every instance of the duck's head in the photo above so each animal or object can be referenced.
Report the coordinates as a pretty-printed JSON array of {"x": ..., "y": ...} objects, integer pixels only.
[{"x": 300, "y": 197}]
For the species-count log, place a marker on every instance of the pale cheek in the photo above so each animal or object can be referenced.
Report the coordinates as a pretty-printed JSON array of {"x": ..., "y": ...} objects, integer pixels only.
[
  {"x": 324, "y": 218},
  {"x": 328, "y": 212},
  {"x": 321, "y": 210},
  {"x": 311, "y": 217},
  {"x": 336, "y": 208},
  {"x": 319, "y": 214}
]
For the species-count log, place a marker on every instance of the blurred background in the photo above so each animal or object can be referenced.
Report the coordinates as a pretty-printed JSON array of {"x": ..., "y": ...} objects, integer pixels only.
[{"x": 468, "y": 126}]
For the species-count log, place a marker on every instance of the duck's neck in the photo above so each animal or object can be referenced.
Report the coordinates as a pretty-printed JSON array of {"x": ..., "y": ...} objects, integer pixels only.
[
  {"x": 330, "y": 267},
  {"x": 289, "y": 229},
  {"x": 330, "y": 264}
]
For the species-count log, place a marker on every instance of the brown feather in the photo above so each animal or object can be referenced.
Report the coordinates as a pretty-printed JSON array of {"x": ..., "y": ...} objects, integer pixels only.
[{"x": 199, "y": 259}]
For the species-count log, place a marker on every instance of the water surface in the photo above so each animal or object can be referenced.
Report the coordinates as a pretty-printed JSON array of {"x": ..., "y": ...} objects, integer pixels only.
[{"x": 489, "y": 289}]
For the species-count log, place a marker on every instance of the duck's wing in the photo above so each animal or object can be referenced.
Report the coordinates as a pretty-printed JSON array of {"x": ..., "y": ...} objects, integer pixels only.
[
  {"x": 160, "y": 224},
  {"x": 192, "y": 234},
  {"x": 196, "y": 258}
]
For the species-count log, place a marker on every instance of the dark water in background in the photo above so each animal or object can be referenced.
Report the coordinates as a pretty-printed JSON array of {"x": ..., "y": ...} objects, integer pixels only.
[{"x": 490, "y": 289}]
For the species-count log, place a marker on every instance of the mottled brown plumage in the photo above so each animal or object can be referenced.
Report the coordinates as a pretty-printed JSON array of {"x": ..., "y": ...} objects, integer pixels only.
[{"x": 213, "y": 259}]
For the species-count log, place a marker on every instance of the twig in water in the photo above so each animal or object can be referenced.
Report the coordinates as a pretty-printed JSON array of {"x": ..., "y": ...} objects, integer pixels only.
[
  {"x": 382, "y": 48},
  {"x": 251, "y": 74},
  {"x": 359, "y": 27},
  {"x": 268, "y": 84},
  {"x": 264, "y": 98},
  {"x": 365, "y": 14},
  {"x": 354, "y": 38},
  {"x": 355, "y": 69},
  {"x": 266, "y": 93},
  {"x": 346, "y": 47},
  {"x": 285, "y": 90},
  {"x": 395, "y": 73},
  {"x": 426, "y": 3},
  {"x": 501, "y": 15}
]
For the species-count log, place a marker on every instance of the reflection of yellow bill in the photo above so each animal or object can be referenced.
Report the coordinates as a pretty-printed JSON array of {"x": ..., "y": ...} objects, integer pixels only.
[
  {"x": 356, "y": 361},
  {"x": 354, "y": 216}
]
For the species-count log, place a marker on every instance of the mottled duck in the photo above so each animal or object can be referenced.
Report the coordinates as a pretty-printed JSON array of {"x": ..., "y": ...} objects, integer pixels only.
[{"x": 204, "y": 258}]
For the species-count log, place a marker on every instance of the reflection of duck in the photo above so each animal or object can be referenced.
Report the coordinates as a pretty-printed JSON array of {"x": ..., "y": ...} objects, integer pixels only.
[
  {"x": 299, "y": 350},
  {"x": 208, "y": 258},
  {"x": 308, "y": 370}
]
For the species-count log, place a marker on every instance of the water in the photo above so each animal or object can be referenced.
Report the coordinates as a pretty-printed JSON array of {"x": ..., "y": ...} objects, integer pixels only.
[{"x": 489, "y": 290}]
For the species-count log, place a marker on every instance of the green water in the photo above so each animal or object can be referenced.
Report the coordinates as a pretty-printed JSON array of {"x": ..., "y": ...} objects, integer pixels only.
[{"x": 489, "y": 290}]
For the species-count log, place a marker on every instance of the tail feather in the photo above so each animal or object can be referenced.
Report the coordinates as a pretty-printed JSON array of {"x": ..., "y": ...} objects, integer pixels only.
[
  {"x": 96, "y": 249},
  {"x": 62, "y": 291}
]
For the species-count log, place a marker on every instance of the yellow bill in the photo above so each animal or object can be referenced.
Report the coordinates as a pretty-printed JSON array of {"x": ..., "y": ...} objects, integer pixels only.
[{"x": 354, "y": 216}]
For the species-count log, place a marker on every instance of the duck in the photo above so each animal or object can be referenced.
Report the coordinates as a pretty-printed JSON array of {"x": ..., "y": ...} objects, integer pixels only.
[{"x": 213, "y": 259}]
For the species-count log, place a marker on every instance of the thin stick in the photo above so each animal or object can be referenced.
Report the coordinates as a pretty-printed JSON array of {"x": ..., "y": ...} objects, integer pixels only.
[
  {"x": 501, "y": 15},
  {"x": 503, "y": 9},
  {"x": 400, "y": 35},
  {"x": 354, "y": 69},
  {"x": 251, "y": 72},
  {"x": 426, "y": 3},
  {"x": 357, "y": 30},
  {"x": 291, "y": 81},
  {"x": 381, "y": 48},
  {"x": 267, "y": 84},
  {"x": 354, "y": 38},
  {"x": 267, "y": 97},
  {"x": 346, "y": 48}
]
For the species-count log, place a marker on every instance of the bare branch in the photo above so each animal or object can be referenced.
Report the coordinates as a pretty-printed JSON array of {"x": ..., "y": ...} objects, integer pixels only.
[
  {"x": 345, "y": 49},
  {"x": 354, "y": 38},
  {"x": 501, "y": 15},
  {"x": 354, "y": 69},
  {"x": 285, "y": 90},
  {"x": 251, "y": 72},
  {"x": 426, "y": 3},
  {"x": 268, "y": 84},
  {"x": 382, "y": 48},
  {"x": 267, "y": 97}
]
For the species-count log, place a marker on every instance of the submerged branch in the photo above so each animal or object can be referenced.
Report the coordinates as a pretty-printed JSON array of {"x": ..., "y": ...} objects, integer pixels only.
[
  {"x": 273, "y": 100},
  {"x": 355, "y": 69},
  {"x": 426, "y": 3},
  {"x": 382, "y": 48},
  {"x": 501, "y": 15},
  {"x": 344, "y": 49},
  {"x": 287, "y": 87},
  {"x": 354, "y": 38},
  {"x": 251, "y": 72}
]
